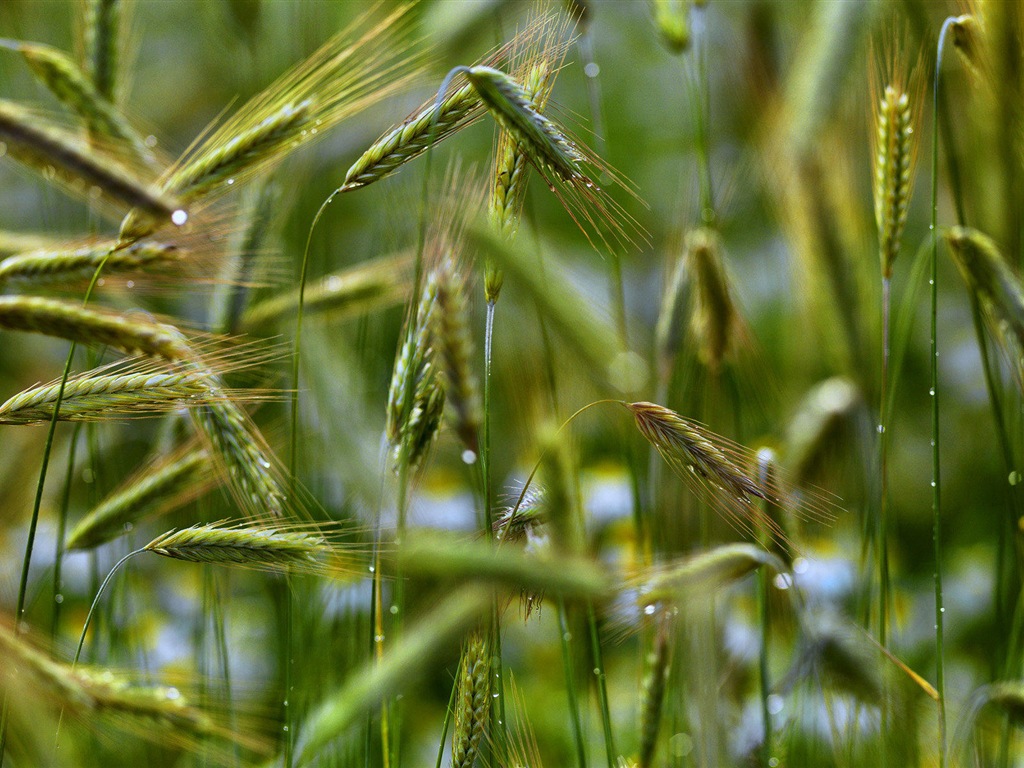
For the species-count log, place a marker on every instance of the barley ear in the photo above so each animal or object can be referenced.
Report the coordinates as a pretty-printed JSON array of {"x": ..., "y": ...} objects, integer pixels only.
[
  {"x": 472, "y": 701},
  {"x": 895, "y": 150}
]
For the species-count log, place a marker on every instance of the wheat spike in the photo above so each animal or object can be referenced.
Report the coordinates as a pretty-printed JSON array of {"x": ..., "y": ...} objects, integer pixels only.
[{"x": 895, "y": 150}]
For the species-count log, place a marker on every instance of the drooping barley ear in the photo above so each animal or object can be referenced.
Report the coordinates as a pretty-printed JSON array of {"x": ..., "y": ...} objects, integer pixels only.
[
  {"x": 456, "y": 350},
  {"x": 72, "y": 87},
  {"x": 243, "y": 454},
  {"x": 827, "y": 421},
  {"x": 158, "y": 487},
  {"x": 72, "y": 263},
  {"x": 364, "y": 287},
  {"x": 412, "y": 423},
  {"x": 722, "y": 474},
  {"x": 669, "y": 329},
  {"x": 841, "y": 656},
  {"x": 72, "y": 321},
  {"x": 967, "y": 37},
  {"x": 509, "y": 103},
  {"x": 652, "y": 690},
  {"x": 102, "y": 39},
  {"x": 430, "y": 124},
  {"x": 670, "y": 16},
  {"x": 895, "y": 149},
  {"x": 472, "y": 701},
  {"x": 675, "y": 582},
  {"x": 102, "y": 695},
  {"x": 714, "y": 319},
  {"x": 260, "y": 547},
  {"x": 58, "y": 155}
]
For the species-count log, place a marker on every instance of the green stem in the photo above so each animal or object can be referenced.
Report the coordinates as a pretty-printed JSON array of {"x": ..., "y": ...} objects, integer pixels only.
[
  {"x": 58, "y": 557},
  {"x": 570, "y": 685},
  {"x": 602, "y": 684},
  {"x": 940, "y": 681}
]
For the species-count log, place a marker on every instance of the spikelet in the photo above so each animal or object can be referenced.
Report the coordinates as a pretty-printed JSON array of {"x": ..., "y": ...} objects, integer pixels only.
[
  {"x": 896, "y": 113},
  {"x": 72, "y": 321},
  {"x": 451, "y": 330},
  {"x": 416, "y": 396},
  {"x": 73, "y": 88},
  {"x": 472, "y": 701},
  {"x": 159, "y": 487},
  {"x": 722, "y": 474},
  {"x": 60, "y": 156},
  {"x": 825, "y": 421},
  {"x": 352, "y": 71}
]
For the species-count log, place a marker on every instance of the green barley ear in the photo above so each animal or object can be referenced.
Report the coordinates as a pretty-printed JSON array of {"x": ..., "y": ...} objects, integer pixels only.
[
  {"x": 668, "y": 330},
  {"x": 997, "y": 287},
  {"x": 351, "y": 72},
  {"x": 722, "y": 474},
  {"x": 673, "y": 583},
  {"x": 103, "y": 26},
  {"x": 828, "y": 420},
  {"x": 158, "y": 487},
  {"x": 70, "y": 320},
  {"x": 896, "y": 113},
  {"x": 670, "y": 16},
  {"x": 714, "y": 319},
  {"x": 412, "y": 423},
  {"x": 266, "y": 547},
  {"x": 967, "y": 37},
  {"x": 82, "y": 170},
  {"x": 73, "y": 88},
  {"x": 70, "y": 263},
  {"x": 455, "y": 346},
  {"x": 472, "y": 701}
]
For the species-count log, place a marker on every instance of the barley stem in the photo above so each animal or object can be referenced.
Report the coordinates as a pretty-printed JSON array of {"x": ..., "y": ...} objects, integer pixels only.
[{"x": 940, "y": 677}]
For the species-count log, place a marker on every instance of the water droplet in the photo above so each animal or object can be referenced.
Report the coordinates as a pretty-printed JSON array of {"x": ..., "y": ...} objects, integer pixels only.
[
  {"x": 592, "y": 69},
  {"x": 284, "y": 728},
  {"x": 880, "y": 429},
  {"x": 800, "y": 565},
  {"x": 285, "y": 702},
  {"x": 179, "y": 217},
  {"x": 931, "y": 282},
  {"x": 933, "y": 483},
  {"x": 931, "y": 391},
  {"x": 468, "y": 457},
  {"x": 783, "y": 581},
  {"x": 775, "y": 703},
  {"x": 773, "y": 762},
  {"x": 150, "y": 141},
  {"x": 649, "y": 610},
  {"x": 130, "y": 284},
  {"x": 597, "y": 671},
  {"x": 494, "y": 695},
  {"x": 172, "y": 694},
  {"x": 1015, "y": 477},
  {"x": 372, "y": 569},
  {"x": 567, "y": 637},
  {"x": 378, "y": 638},
  {"x": 942, "y": 609},
  {"x": 394, "y": 610},
  {"x": 58, "y": 598},
  {"x": 230, "y": 182}
]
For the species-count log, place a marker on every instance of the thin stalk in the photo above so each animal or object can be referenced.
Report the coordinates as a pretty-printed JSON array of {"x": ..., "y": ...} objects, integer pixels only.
[
  {"x": 447, "y": 723},
  {"x": 883, "y": 469},
  {"x": 58, "y": 556},
  {"x": 602, "y": 684},
  {"x": 940, "y": 677},
  {"x": 570, "y": 685}
]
